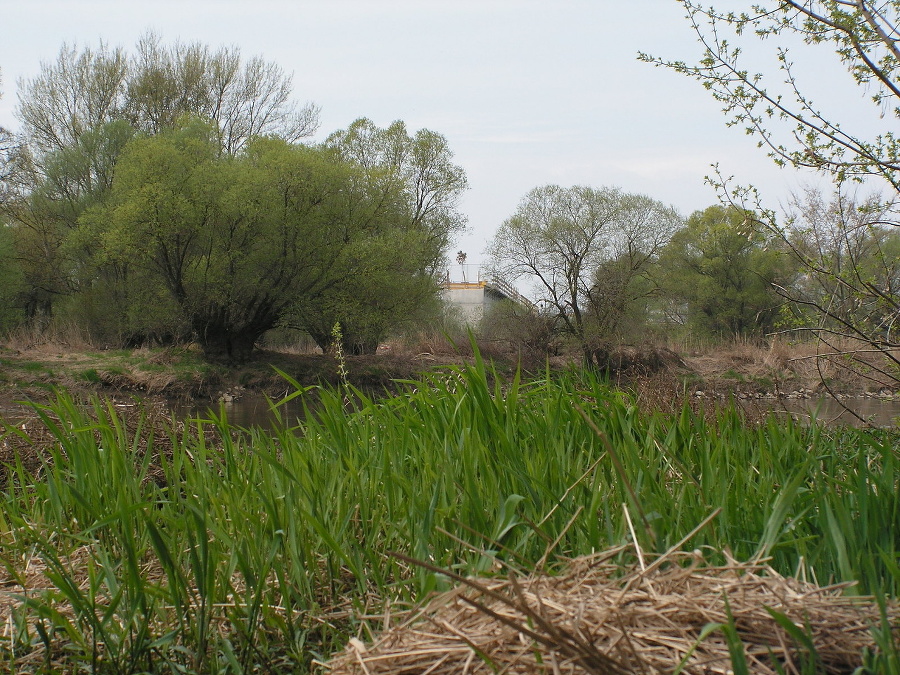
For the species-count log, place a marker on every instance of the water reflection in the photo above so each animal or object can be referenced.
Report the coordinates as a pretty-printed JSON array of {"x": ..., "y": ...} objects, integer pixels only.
[
  {"x": 254, "y": 410},
  {"x": 249, "y": 411},
  {"x": 878, "y": 412}
]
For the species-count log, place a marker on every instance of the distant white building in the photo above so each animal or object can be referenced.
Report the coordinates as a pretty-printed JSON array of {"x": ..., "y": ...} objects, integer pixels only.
[{"x": 473, "y": 293}]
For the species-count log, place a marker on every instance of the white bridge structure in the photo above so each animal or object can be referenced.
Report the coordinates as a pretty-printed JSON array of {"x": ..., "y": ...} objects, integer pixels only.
[{"x": 473, "y": 290}]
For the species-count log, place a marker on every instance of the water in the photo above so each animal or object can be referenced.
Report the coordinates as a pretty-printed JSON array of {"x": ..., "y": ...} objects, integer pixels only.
[
  {"x": 250, "y": 410},
  {"x": 878, "y": 412},
  {"x": 253, "y": 410}
]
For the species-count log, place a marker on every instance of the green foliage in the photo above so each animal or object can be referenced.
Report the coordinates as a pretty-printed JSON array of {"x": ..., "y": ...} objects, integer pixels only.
[
  {"x": 384, "y": 285},
  {"x": 163, "y": 197},
  {"x": 415, "y": 173},
  {"x": 90, "y": 375},
  {"x": 232, "y": 241},
  {"x": 78, "y": 114},
  {"x": 408, "y": 198},
  {"x": 11, "y": 281},
  {"x": 43, "y": 213},
  {"x": 721, "y": 269}
]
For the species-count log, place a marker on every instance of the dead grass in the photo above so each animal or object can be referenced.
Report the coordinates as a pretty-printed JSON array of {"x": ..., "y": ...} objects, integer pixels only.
[
  {"x": 598, "y": 617},
  {"x": 778, "y": 367},
  {"x": 56, "y": 336}
]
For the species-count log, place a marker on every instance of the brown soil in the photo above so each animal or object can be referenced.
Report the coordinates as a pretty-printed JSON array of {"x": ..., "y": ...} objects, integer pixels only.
[{"x": 172, "y": 374}]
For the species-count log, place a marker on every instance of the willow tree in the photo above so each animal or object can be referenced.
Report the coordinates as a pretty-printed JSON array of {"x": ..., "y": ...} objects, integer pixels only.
[
  {"x": 408, "y": 196},
  {"x": 229, "y": 242},
  {"x": 722, "y": 270},
  {"x": 83, "y": 107},
  {"x": 575, "y": 246}
]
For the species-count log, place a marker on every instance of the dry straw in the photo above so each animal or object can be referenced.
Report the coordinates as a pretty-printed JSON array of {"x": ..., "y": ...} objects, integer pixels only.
[{"x": 601, "y": 617}]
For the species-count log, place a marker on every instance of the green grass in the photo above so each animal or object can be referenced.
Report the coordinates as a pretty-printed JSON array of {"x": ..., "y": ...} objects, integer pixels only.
[
  {"x": 90, "y": 375},
  {"x": 236, "y": 552},
  {"x": 151, "y": 367},
  {"x": 111, "y": 353}
]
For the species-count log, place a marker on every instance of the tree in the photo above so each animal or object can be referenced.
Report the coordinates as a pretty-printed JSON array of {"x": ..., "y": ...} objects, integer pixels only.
[
  {"x": 414, "y": 173},
  {"x": 6, "y": 145},
  {"x": 154, "y": 89},
  {"x": 44, "y": 205},
  {"x": 77, "y": 93},
  {"x": 63, "y": 113},
  {"x": 382, "y": 286},
  {"x": 722, "y": 268},
  {"x": 796, "y": 132},
  {"x": 849, "y": 251},
  {"x": 576, "y": 243},
  {"x": 82, "y": 109},
  {"x": 233, "y": 241},
  {"x": 864, "y": 37},
  {"x": 242, "y": 100},
  {"x": 408, "y": 198}
]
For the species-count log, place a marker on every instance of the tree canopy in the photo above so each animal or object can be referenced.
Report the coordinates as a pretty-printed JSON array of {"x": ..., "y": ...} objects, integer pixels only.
[
  {"x": 151, "y": 89},
  {"x": 166, "y": 194},
  {"x": 573, "y": 245},
  {"x": 234, "y": 241},
  {"x": 411, "y": 191},
  {"x": 720, "y": 270},
  {"x": 81, "y": 111}
]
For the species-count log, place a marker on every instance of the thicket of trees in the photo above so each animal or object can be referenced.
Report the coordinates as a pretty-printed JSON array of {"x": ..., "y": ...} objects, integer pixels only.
[
  {"x": 166, "y": 196},
  {"x": 607, "y": 267},
  {"x": 169, "y": 194}
]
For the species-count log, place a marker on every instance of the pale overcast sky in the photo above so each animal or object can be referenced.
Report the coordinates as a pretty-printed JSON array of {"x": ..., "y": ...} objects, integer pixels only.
[{"x": 526, "y": 92}]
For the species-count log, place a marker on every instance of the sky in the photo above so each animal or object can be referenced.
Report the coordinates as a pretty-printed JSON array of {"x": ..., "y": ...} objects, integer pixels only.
[{"x": 527, "y": 93}]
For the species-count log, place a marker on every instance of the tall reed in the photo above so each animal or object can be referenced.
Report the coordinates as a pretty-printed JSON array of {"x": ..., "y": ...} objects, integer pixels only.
[{"x": 257, "y": 549}]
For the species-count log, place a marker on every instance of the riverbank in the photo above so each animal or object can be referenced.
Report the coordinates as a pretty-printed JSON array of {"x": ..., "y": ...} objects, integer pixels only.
[
  {"x": 182, "y": 374},
  {"x": 660, "y": 377},
  {"x": 743, "y": 370}
]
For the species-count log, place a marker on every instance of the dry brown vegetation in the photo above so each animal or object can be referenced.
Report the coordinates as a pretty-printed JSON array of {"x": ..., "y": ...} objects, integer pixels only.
[{"x": 598, "y": 616}]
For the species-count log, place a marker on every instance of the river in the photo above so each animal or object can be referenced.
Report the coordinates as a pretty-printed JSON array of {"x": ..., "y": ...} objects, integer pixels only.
[{"x": 253, "y": 410}]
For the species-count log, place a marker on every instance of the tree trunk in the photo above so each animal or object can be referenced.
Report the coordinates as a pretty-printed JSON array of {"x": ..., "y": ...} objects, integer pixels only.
[
  {"x": 360, "y": 347},
  {"x": 228, "y": 344}
]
